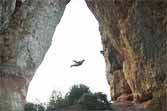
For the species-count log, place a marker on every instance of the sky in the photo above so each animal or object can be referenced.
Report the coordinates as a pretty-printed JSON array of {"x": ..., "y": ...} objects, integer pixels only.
[{"x": 76, "y": 37}]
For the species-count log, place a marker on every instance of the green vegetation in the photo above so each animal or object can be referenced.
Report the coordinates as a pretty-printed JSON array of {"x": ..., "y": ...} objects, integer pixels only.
[
  {"x": 75, "y": 93},
  {"x": 34, "y": 107},
  {"x": 94, "y": 101},
  {"x": 56, "y": 101},
  {"x": 79, "y": 96}
]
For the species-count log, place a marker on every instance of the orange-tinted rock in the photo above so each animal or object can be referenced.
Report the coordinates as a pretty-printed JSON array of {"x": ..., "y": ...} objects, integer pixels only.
[
  {"x": 137, "y": 30},
  {"x": 118, "y": 84},
  {"x": 125, "y": 97}
]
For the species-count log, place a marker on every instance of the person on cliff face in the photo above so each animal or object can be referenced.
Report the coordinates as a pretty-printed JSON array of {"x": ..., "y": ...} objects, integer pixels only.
[
  {"x": 77, "y": 63},
  {"x": 102, "y": 52}
]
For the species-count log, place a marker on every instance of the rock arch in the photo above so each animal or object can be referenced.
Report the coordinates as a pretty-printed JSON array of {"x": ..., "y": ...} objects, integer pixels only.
[{"x": 133, "y": 35}]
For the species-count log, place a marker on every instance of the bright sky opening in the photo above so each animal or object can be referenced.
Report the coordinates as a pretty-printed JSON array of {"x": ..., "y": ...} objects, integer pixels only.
[{"x": 76, "y": 37}]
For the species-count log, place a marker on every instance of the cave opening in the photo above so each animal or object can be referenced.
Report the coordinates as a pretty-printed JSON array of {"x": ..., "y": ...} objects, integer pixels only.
[{"x": 76, "y": 37}]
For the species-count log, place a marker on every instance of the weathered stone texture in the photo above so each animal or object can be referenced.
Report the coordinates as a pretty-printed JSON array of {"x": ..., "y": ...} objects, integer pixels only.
[
  {"x": 133, "y": 36},
  {"x": 7, "y": 8},
  {"x": 136, "y": 30},
  {"x": 26, "y": 30}
]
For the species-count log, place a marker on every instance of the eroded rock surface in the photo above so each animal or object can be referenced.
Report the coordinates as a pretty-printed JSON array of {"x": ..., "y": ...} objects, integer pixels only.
[
  {"x": 26, "y": 30},
  {"x": 134, "y": 34}
]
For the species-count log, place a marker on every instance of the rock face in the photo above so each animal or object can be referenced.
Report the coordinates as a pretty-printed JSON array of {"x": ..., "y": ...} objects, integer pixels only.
[
  {"x": 26, "y": 30},
  {"x": 135, "y": 47},
  {"x": 133, "y": 36}
]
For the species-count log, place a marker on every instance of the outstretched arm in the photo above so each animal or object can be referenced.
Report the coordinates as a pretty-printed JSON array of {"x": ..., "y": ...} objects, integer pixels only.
[{"x": 75, "y": 61}]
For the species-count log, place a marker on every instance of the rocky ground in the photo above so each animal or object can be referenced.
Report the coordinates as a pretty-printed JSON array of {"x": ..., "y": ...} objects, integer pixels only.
[{"x": 127, "y": 106}]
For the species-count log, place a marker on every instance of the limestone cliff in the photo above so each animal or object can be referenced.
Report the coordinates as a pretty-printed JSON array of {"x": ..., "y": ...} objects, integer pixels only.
[
  {"x": 133, "y": 36},
  {"x": 135, "y": 44},
  {"x": 26, "y": 30}
]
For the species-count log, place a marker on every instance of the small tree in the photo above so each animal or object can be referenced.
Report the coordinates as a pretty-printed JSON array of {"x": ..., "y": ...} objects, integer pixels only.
[
  {"x": 94, "y": 101},
  {"x": 56, "y": 101},
  {"x": 75, "y": 93}
]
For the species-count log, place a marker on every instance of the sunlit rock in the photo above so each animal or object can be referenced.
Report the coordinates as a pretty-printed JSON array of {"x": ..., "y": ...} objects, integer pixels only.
[{"x": 136, "y": 32}]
